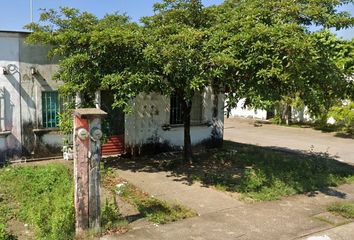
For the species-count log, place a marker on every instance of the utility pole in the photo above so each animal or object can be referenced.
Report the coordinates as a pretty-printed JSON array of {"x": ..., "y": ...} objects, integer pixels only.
[
  {"x": 87, "y": 157},
  {"x": 31, "y": 11}
]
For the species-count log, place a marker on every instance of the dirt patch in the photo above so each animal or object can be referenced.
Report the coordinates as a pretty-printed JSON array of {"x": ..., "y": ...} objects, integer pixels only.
[{"x": 20, "y": 230}]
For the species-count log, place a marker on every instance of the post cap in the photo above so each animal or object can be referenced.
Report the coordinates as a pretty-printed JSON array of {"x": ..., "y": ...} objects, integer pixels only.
[{"x": 89, "y": 112}]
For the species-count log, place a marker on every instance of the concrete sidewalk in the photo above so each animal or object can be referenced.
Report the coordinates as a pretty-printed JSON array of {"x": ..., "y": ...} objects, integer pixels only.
[
  {"x": 223, "y": 217},
  {"x": 344, "y": 232}
]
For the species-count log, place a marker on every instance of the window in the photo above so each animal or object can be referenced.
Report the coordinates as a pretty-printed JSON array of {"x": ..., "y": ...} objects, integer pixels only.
[
  {"x": 176, "y": 113},
  {"x": 50, "y": 109}
]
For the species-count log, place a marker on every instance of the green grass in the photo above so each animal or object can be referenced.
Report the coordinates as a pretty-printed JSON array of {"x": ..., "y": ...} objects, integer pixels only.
[
  {"x": 43, "y": 197},
  {"x": 153, "y": 209},
  {"x": 264, "y": 174},
  {"x": 5, "y": 216},
  {"x": 344, "y": 209},
  {"x": 268, "y": 174}
]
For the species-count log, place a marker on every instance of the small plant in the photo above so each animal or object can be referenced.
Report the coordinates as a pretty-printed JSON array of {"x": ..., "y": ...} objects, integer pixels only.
[
  {"x": 111, "y": 217},
  {"x": 344, "y": 209},
  {"x": 66, "y": 119}
]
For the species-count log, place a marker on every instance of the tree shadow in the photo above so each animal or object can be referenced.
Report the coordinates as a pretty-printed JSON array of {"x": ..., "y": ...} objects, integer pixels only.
[{"x": 264, "y": 173}]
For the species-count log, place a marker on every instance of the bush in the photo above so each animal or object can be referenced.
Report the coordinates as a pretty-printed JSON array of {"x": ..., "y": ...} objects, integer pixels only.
[{"x": 344, "y": 116}]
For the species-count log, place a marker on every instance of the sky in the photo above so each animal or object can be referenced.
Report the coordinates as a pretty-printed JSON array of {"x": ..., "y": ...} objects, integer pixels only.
[{"x": 14, "y": 14}]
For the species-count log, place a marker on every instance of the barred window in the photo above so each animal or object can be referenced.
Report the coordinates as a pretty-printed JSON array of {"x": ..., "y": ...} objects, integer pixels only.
[
  {"x": 176, "y": 111},
  {"x": 50, "y": 109}
]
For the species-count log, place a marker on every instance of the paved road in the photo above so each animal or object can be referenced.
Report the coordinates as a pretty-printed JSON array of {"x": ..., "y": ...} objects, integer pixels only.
[{"x": 304, "y": 139}]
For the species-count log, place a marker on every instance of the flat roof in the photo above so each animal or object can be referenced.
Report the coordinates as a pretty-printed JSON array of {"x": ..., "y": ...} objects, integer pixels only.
[{"x": 14, "y": 31}]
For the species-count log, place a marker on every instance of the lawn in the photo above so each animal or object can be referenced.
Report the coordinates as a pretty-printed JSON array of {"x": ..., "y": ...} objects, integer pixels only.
[
  {"x": 42, "y": 197},
  {"x": 257, "y": 173}
]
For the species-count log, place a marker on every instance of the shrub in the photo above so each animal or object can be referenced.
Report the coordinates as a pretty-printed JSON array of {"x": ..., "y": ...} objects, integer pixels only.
[{"x": 344, "y": 115}]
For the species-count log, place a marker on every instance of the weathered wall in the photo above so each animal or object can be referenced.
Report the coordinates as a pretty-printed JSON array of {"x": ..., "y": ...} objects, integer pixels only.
[
  {"x": 37, "y": 141},
  {"x": 149, "y": 122},
  {"x": 20, "y": 99},
  {"x": 10, "y": 144}
]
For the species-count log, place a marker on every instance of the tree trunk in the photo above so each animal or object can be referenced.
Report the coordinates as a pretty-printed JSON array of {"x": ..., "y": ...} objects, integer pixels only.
[{"x": 187, "y": 107}]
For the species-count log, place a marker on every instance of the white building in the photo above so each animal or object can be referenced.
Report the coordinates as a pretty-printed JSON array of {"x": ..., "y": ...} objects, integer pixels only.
[{"x": 30, "y": 103}]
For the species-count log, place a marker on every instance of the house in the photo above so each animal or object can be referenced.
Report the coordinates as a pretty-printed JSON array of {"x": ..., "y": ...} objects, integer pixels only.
[
  {"x": 28, "y": 99},
  {"x": 300, "y": 114},
  {"x": 30, "y": 104}
]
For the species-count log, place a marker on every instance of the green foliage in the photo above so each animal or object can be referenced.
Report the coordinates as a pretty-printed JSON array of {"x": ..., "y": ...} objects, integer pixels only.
[
  {"x": 4, "y": 235},
  {"x": 66, "y": 123},
  {"x": 45, "y": 198},
  {"x": 344, "y": 116},
  {"x": 263, "y": 50},
  {"x": 161, "y": 212},
  {"x": 5, "y": 216},
  {"x": 344, "y": 209},
  {"x": 89, "y": 48},
  {"x": 258, "y": 49},
  {"x": 111, "y": 218}
]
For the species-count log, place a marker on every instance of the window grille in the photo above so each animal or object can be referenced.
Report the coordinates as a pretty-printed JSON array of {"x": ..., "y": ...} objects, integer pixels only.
[
  {"x": 50, "y": 109},
  {"x": 176, "y": 111}
]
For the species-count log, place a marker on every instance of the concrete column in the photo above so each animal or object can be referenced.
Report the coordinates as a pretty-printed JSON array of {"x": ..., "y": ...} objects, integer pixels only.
[{"x": 87, "y": 157}]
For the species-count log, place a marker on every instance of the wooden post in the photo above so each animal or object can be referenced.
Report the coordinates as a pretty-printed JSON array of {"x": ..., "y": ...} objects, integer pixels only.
[{"x": 87, "y": 157}]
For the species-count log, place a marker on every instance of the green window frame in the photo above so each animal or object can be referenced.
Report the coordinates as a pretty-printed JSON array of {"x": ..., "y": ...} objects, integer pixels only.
[{"x": 50, "y": 109}]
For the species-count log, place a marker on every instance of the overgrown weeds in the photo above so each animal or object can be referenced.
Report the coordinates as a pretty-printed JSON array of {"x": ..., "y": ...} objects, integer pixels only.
[
  {"x": 44, "y": 196},
  {"x": 345, "y": 209},
  {"x": 268, "y": 174}
]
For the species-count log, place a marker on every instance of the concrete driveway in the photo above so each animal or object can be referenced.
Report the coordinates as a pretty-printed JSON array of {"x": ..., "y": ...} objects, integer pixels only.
[{"x": 303, "y": 139}]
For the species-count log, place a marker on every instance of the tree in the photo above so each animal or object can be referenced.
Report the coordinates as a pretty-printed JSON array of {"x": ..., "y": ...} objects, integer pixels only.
[
  {"x": 88, "y": 48},
  {"x": 264, "y": 51},
  {"x": 173, "y": 57},
  {"x": 165, "y": 55}
]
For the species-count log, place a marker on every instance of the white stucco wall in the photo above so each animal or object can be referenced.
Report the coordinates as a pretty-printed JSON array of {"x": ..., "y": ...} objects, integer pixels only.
[
  {"x": 301, "y": 115},
  {"x": 149, "y": 122},
  {"x": 246, "y": 112}
]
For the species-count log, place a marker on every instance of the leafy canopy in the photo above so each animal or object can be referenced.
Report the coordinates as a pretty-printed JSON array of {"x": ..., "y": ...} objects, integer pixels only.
[
  {"x": 88, "y": 48},
  {"x": 264, "y": 50}
]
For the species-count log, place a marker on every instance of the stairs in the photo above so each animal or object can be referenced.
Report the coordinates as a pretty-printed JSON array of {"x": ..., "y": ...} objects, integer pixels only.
[{"x": 114, "y": 146}]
